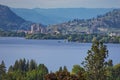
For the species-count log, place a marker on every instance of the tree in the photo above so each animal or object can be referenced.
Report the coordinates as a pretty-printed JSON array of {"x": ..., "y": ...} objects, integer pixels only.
[
  {"x": 79, "y": 72},
  {"x": 60, "y": 69},
  {"x": 32, "y": 65},
  {"x": 117, "y": 72},
  {"x": 95, "y": 64},
  {"x": 42, "y": 71},
  {"x": 65, "y": 68},
  {"x": 110, "y": 70},
  {"x": 2, "y": 69},
  {"x": 10, "y": 69},
  {"x": 16, "y": 65},
  {"x": 76, "y": 69},
  {"x": 32, "y": 75}
]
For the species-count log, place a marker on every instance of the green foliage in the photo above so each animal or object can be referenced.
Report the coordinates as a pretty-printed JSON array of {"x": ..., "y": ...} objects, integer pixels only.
[
  {"x": 45, "y": 36},
  {"x": 26, "y": 70},
  {"x": 96, "y": 67},
  {"x": 89, "y": 37},
  {"x": 32, "y": 65},
  {"x": 77, "y": 69},
  {"x": 117, "y": 71},
  {"x": 79, "y": 72},
  {"x": 95, "y": 64},
  {"x": 2, "y": 70}
]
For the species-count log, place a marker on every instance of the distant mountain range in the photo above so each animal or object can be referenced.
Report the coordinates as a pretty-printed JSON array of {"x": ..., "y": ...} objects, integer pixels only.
[
  {"x": 58, "y": 15},
  {"x": 77, "y": 20},
  {"x": 109, "y": 22},
  {"x": 10, "y": 21}
]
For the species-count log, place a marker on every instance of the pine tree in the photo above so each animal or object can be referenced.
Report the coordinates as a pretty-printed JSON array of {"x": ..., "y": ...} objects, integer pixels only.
[
  {"x": 60, "y": 69},
  {"x": 32, "y": 65},
  {"x": 95, "y": 63},
  {"x": 2, "y": 69}
]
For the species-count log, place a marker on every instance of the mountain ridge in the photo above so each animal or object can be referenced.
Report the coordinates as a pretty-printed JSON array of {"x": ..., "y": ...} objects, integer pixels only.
[
  {"x": 58, "y": 15},
  {"x": 10, "y": 21},
  {"x": 102, "y": 23},
  {"x": 109, "y": 22}
]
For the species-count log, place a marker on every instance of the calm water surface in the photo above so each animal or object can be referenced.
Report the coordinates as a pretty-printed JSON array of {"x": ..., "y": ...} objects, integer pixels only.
[{"x": 52, "y": 53}]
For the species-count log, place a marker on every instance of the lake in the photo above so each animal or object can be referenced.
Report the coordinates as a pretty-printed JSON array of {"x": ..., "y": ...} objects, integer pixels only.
[{"x": 52, "y": 53}]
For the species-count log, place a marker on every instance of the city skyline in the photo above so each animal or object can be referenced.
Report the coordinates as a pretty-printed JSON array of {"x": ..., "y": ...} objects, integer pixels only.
[{"x": 61, "y": 3}]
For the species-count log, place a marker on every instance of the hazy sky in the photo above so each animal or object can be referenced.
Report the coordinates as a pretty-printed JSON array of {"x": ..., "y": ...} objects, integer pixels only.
[{"x": 62, "y": 3}]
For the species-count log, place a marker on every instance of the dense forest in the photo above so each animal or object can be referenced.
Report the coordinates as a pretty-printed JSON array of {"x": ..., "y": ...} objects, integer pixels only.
[{"x": 96, "y": 66}]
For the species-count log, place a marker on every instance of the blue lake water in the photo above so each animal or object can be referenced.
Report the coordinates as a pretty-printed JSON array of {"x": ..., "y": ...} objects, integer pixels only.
[{"x": 52, "y": 53}]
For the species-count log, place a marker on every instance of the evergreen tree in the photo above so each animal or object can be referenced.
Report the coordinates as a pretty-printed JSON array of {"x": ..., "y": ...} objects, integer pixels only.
[
  {"x": 32, "y": 65},
  {"x": 65, "y": 69},
  {"x": 2, "y": 69},
  {"x": 79, "y": 72},
  {"x": 16, "y": 65},
  {"x": 60, "y": 69},
  {"x": 42, "y": 71},
  {"x": 10, "y": 69},
  {"x": 95, "y": 64}
]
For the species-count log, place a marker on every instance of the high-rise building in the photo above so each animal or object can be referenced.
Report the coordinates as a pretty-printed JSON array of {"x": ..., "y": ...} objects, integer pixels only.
[{"x": 37, "y": 28}]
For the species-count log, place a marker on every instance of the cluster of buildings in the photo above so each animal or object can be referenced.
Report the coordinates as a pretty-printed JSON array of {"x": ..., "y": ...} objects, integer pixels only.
[
  {"x": 37, "y": 28},
  {"x": 114, "y": 34},
  {"x": 34, "y": 29}
]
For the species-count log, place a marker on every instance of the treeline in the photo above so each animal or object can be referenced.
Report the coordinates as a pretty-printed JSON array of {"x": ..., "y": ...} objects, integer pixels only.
[
  {"x": 29, "y": 70},
  {"x": 23, "y": 70},
  {"x": 95, "y": 67},
  {"x": 46, "y": 36},
  {"x": 11, "y": 34},
  {"x": 86, "y": 38},
  {"x": 89, "y": 38}
]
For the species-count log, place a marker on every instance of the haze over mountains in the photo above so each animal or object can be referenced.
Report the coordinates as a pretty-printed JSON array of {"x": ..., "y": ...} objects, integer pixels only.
[
  {"x": 69, "y": 19},
  {"x": 58, "y": 15}
]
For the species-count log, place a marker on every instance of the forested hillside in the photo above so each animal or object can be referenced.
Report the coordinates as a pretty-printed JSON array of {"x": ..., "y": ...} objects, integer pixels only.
[{"x": 108, "y": 22}]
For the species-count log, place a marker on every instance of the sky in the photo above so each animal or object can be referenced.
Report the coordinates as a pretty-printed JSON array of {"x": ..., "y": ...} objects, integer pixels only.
[{"x": 61, "y": 3}]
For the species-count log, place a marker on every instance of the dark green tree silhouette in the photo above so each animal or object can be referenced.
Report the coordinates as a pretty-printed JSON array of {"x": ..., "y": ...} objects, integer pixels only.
[
  {"x": 32, "y": 65},
  {"x": 2, "y": 70}
]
